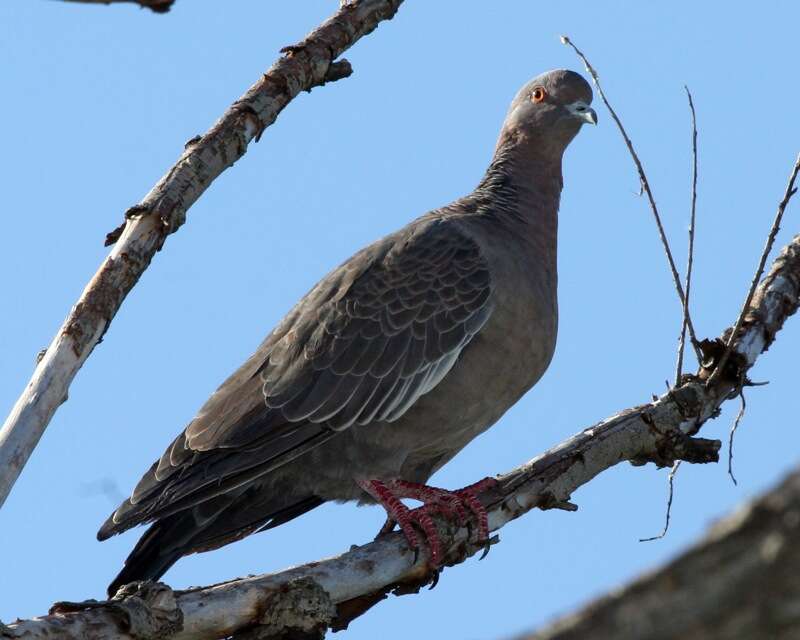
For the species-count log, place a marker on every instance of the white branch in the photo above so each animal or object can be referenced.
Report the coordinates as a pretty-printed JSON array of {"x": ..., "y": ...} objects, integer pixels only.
[
  {"x": 332, "y": 592},
  {"x": 163, "y": 211}
]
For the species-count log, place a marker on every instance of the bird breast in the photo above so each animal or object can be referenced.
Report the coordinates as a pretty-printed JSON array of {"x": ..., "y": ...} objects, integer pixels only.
[{"x": 503, "y": 361}]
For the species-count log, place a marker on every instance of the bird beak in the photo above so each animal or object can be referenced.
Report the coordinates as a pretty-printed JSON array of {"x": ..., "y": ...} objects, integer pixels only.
[{"x": 582, "y": 112}]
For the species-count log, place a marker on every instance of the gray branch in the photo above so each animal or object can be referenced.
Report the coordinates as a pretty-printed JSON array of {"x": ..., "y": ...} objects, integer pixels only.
[
  {"x": 330, "y": 593},
  {"x": 163, "y": 211},
  {"x": 741, "y": 582}
]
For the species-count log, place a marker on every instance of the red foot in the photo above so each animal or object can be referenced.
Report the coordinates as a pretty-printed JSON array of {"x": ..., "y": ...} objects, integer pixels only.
[{"x": 451, "y": 504}]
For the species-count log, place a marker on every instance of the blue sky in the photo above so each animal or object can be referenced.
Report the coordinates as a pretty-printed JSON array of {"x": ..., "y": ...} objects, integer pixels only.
[{"x": 97, "y": 103}]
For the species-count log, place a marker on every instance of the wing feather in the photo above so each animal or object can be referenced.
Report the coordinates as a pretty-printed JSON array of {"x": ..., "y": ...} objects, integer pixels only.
[{"x": 362, "y": 346}]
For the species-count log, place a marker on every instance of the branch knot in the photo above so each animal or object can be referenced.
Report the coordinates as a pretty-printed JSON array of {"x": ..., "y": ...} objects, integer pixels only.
[
  {"x": 144, "y": 610},
  {"x": 300, "y": 609}
]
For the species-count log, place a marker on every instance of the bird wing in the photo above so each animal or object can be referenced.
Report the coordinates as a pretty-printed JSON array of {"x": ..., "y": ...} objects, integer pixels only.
[{"x": 362, "y": 346}]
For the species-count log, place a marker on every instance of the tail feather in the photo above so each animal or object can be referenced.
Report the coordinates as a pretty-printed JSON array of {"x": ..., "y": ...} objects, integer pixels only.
[
  {"x": 112, "y": 528},
  {"x": 203, "y": 528},
  {"x": 158, "y": 549}
]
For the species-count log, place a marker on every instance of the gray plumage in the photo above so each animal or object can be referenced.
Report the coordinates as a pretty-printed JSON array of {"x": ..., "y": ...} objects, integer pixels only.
[{"x": 389, "y": 366}]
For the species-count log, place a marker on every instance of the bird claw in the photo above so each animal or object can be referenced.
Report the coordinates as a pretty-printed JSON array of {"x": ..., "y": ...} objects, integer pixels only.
[
  {"x": 450, "y": 504},
  {"x": 469, "y": 496},
  {"x": 386, "y": 528},
  {"x": 437, "y": 572},
  {"x": 488, "y": 544}
]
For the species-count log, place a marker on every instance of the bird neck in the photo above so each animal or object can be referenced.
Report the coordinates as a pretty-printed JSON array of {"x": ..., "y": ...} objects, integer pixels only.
[{"x": 523, "y": 184}]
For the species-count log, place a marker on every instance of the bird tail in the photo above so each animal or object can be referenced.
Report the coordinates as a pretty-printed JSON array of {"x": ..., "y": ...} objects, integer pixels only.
[
  {"x": 158, "y": 549},
  {"x": 191, "y": 531}
]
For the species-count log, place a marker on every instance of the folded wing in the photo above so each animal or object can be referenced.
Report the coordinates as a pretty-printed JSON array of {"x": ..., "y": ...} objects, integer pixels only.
[{"x": 362, "y": 346}]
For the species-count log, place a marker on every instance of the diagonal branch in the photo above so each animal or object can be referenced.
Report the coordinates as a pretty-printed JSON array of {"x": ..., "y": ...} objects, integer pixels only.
[
  {"x": 332, "y": 592},
  {"x": 163, "y": 211}
]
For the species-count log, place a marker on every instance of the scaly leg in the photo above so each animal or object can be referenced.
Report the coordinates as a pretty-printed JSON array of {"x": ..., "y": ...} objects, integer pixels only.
[
  {"x": 406, "y": 517},
  {"x": 451, "y": 504}
]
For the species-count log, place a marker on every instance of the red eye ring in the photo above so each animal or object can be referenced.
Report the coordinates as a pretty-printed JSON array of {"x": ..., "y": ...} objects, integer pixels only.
[{"x": 538, "y": 94}]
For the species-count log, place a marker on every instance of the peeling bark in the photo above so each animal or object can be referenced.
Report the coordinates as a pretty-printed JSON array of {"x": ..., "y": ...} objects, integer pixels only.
[
  {"x": 741, "y": 582},
  {"x": 162, "y": 212},
  {"x": 332, "y": 592}
]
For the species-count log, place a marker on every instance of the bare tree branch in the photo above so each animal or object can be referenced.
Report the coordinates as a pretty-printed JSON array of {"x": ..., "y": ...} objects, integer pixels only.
[
  {"x": 156, "y": 6},
  {"x": 776, "y": 224},
  {"x": 670, "y": 496},
  {"x": 690, "y": 251},
  {"x": 332, "y": 592},
  {"x": 163, "y": 210},
  {"x": 742, "y": 582},
  {"x": 645, "y": 186},
  {"x": 732, "y": 434},
  {"x": 329, "y": 594}
]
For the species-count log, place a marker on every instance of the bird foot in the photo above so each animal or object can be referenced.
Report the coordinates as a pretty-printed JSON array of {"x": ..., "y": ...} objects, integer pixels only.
[{"x": 454, "y": 505}]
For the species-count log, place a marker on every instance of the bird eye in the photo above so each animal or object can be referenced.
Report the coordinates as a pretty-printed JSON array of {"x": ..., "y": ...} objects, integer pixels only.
[{"x": 538, "y": 94}]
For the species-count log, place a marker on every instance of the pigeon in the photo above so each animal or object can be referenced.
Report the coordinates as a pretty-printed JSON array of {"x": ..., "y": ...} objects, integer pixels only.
[{"x": 386, "y": 369}]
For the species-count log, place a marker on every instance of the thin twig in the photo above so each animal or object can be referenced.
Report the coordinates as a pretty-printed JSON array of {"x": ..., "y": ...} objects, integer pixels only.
[
  {"x": 671, "y": 483},
  {"x": 787, "y": 195},
  {"x": 645, "y": 185},
  {"x": 690, "y": 258},
  {"x": 734, "y": 427}
]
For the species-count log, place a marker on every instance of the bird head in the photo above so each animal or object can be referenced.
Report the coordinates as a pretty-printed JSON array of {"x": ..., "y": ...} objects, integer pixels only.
[{"x": 549, "y": 111}]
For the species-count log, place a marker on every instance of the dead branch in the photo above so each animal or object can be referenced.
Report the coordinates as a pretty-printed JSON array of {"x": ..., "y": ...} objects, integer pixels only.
[
  {"x": 156, "y": 6},
  {"x": 732, "y": 434},
  {"x": 162, "y": 212},
  {"x": 690, "y": 249},
  {"x": 668, "y": 510},
  {"x": 776, "y": 224},
  {"x": 332, "y": 592},
  {"x": 739, "y": 583},
  {"x": 645, "y": 187}
]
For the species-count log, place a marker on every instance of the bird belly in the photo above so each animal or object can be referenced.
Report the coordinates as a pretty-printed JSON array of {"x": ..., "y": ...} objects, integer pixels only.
[{"x": 501, "y": 363}]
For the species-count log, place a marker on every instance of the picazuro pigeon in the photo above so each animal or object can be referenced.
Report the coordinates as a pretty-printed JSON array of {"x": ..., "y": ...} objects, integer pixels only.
[{"x": 386, "y": 369}]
